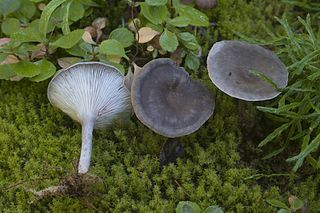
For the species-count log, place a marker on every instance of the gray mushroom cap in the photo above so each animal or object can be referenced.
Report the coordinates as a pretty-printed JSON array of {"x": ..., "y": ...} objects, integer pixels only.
[
  {"x": 230, "y": 65},
  {"x": 166, "y": 100}
]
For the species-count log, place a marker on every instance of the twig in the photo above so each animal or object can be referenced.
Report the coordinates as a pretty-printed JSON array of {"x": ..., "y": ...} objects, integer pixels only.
[{"x": 182, "y": 188}]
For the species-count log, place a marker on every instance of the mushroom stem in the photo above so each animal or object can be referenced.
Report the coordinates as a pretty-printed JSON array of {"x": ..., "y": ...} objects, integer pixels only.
[
  {"x": 86, "y": 147},
  {"x": 136, "y": 68}
]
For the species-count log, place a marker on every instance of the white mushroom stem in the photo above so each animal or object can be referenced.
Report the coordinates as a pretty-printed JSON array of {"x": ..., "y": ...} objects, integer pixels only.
[{"x": 86, "y": 147}]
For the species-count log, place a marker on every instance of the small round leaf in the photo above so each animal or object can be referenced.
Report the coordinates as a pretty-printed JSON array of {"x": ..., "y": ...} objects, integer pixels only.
[
  {"x": 168, "y": 41},
  {"x": 10, "y": 26},
  {"x": 123, "y": 35},
  {"x": 112, "y": 47},
  {"x": 47, "y": 69}
]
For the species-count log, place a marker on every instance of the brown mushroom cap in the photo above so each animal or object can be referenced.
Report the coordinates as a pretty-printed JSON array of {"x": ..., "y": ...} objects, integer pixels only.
[
  {"x": 230, "y": 65},
  {"x": 166, "y": 100}
]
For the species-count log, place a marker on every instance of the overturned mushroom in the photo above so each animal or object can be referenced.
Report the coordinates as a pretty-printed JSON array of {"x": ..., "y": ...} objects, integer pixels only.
[
  {"x": 233, "y": 68},
  {"x": 165, "y": 99},
  {"x": 92, "y": 94}
]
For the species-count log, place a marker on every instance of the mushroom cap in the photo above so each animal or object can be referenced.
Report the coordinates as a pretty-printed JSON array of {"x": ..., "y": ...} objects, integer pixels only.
[
  {"x": 229, "y": 64},
  {"x": 90, "y": 90},
  {"x": 165, "y": 99}
]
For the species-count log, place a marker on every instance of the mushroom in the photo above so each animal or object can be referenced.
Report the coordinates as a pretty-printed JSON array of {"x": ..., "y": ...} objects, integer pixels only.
[
  {"x": 206, "y": 4},
  {"x": 165, "y": 99},
  {"x": 246, "y": 71},
  {"x": 93, "y": 94}
]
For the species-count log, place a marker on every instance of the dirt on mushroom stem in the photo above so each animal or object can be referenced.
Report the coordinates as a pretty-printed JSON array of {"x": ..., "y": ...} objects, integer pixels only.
[{"x": 75, "y": 185}]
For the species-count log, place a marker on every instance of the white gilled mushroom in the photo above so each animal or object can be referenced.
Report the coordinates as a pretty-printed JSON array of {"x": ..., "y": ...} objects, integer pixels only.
[
  {"x": 231, "y": 67},
  {"x": 166, "y": 100},
  {"x": 92, "y": 94}
]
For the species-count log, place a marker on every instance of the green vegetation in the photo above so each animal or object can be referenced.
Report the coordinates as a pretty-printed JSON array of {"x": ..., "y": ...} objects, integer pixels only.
[
  {"x": 222, "y": 165},
  {"x": 298, "y": 108}
]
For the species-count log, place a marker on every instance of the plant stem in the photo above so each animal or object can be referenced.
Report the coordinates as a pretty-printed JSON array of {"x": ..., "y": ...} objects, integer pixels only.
[{"x": 86, "y": 147}]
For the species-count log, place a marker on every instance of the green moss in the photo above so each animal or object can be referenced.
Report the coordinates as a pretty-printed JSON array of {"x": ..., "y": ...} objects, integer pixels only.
[{"x": 40, "y": 145}]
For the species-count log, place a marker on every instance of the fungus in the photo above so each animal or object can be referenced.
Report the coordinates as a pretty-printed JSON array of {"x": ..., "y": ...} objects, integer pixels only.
[
  {"x": 92, "y": 94},
  {"x": 206, "y": 4},
  {"x": 165, "y": 99},
  {"x": 187, "y": 1},
  {"x": 233, "y": 67}
]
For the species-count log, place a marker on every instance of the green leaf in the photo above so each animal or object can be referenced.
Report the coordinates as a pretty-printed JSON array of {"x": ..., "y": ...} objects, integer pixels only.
[
  {"x": 8, "y": 6},
  {"x": 168, "y": 41},
  {"x": 76, "y": 11},
  {"x": 47, "y": 69},
  {"x": 213, "y": 209},
  {"x": 192, "y": 61},
  {"x": 88, "y": 3},
  {"x": 265, "y": 78},
  {"x": 179, "y": 21},
  {"x": 187, "y": 207},
  {"x": 275, "y": 134},
  {"x": 313, "y": 146},
  {"x": 10, "y": 26},
  {"x": 277, "y": 203},
  {"x": 69, "y": 40},
  {"x": 197, "y": 18},
  {"x": 156, "y": 2},
  {"x": 26, "y": 69},
  {"x": 78, "y": 50},
  {"x": 6, "y": 71},
  {"x": 155, "y": 14},
  {"x": 116, "y": 65},
  {"x": 188, "y": 40},
  {"x": 29, "y": 34},
  {"x": 296, "y": 204},
  {"x": 65, "y": 22},
  {"x": 46, "y": 14},
  {"x": 284, "y": 211},
  {"x": 112, "y": 47},
  {"x": 123, "y": 35},
  {"x": 26, "y": 11},
  {"x": 273, "y": 153}
]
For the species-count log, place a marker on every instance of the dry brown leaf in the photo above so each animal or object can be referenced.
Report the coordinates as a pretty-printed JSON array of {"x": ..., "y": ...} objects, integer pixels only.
[
  {"x": 16, "y": 78},
  {"x": 177, "y": 55},
  {"x": 87, "y": 38},
  {"x": 41, "y": 6},
  {"x": 162, "y": 52},
  {"x": 4, "y": 41},
  {"x": 146, "y": 34},
  {"x": 41, "y": 52},
  {"x": 134, "y": 24},
  {"x": 99, "y": 34},
  {"x": 150, "y": 48},
  {"x": 10, "y": 59},
  {"x": 91, "y": 30},
  {"x": 99, "y": 23},
  {"x": 67, "y": 61}
]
